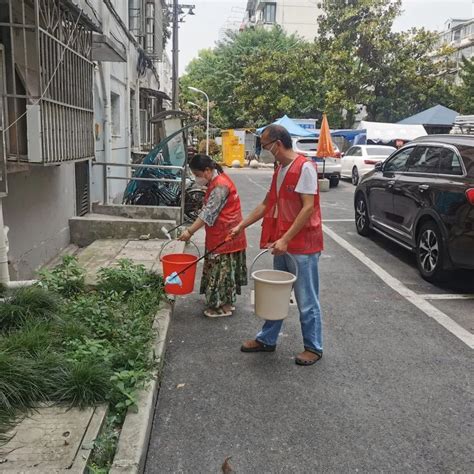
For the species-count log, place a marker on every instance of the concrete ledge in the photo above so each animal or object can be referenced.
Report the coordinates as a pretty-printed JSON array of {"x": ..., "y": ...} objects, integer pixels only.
[
  {"x": 87, "y": 229},
  {"x": 138, "y": 212},
  {"x": 132, "y": 447}
]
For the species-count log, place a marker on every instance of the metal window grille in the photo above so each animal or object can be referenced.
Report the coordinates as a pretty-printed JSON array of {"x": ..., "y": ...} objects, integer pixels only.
[{"x": 49, "y": 82}]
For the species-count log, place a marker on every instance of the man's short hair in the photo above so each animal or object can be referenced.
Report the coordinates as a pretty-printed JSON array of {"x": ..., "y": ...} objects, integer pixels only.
[{"x": 277, "y": 132}]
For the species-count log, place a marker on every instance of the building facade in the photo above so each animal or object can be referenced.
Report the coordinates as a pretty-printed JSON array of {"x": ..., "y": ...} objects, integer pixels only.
[
  {"x": 298, "y": 17},
  {"x": 79, "y": 81},
  {"x": 459, "y": 36}
]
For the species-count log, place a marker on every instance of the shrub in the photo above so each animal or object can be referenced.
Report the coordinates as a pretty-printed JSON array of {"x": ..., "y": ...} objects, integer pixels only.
[{"x": 214, "y": 148}]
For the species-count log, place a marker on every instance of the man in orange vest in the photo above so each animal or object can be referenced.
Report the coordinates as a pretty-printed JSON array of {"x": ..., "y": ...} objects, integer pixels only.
[{"x": 291, "y": 224}]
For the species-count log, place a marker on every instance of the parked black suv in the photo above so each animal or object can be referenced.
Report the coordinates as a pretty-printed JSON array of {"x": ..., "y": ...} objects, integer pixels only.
[{"x": 422, "y": 197}]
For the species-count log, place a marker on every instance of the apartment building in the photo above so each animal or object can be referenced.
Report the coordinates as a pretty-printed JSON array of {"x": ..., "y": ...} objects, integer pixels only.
[
  {"x": 79, "y": 80},
  {"x": 458, "y": 35},
  {"x": 298, "y": 17}
]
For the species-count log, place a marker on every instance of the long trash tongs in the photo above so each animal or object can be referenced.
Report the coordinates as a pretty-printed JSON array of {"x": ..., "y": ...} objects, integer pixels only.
[
  {"x": 168, "y": 232},
  {"x": 173, "y": 278}
]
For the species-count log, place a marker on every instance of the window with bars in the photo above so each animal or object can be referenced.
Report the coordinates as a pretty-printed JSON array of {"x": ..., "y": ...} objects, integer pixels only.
[{"x": 49, "y": 112}]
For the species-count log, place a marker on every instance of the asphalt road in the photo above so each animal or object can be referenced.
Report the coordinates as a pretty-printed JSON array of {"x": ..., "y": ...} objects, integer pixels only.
[{"x": 393, "y": 392}]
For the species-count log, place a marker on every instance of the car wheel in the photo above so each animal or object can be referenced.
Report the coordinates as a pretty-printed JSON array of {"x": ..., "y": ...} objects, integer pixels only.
[
  {"x": 333, "y": 181},
  {"x": 355, "y": 176},
  {"x": 430, "y": 253},
  {"x": 362, "y": 216}
]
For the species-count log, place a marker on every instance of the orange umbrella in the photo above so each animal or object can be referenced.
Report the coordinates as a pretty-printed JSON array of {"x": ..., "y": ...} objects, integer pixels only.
[{"x": 325, "y": 146}]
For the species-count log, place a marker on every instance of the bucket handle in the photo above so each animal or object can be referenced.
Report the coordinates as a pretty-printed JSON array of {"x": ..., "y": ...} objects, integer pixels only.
[
  {"x": 169, "y": 241},
  {"x": 267, "y": 250}
]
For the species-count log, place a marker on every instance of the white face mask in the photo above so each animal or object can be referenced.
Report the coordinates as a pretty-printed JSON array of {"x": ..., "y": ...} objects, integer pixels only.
[
  {"x": 200, "y": 181},
  {"x": 267, "y": 156}
]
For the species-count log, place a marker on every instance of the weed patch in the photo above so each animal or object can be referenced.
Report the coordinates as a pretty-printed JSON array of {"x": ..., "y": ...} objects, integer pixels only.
[{"x": 61, "y": 342}]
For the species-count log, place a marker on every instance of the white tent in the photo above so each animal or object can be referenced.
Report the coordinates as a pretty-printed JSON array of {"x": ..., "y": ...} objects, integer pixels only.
[{"x": 387, "y": 132}]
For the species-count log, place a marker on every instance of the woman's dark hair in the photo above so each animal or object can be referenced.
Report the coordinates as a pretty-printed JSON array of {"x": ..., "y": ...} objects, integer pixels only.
[{"x": 202, "y": 162}]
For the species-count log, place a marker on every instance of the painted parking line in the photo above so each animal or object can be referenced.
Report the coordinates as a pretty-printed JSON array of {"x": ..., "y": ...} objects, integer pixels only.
[
  {"x": 338, "y": 220},
  {"x": 421, "y": 303},
  {"x": 447, "y": 297},
  {"x": 257, "y": 184}
]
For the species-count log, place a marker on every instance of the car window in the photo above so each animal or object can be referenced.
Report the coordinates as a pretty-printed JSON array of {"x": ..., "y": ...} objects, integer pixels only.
[
  {"x": 307, "y": 145},
  {"x": 467, "y": 153},
  {"x": 380, "y": 151},
  {"x": 350, "y": 151},
  {"x": 425, "y": 160},
  {"x": 398, "y": 162},
  {"x": 357, "y": 151},
  {"x": 449, "y": 163}
]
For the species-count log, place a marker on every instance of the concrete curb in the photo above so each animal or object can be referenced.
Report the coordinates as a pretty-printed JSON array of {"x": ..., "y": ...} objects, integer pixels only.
[{"x": 133, "y": 442}]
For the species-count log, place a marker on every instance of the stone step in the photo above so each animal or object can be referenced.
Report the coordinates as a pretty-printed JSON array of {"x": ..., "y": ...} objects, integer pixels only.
[
  {"x": 85, "y": 230},
  {"x": 138, "y": 212}
]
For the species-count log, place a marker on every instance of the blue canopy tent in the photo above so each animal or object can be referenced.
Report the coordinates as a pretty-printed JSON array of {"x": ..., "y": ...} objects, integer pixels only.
[
  {"x": 354, "y": 137},
  {"x": 358, "y": 137},
  {"x": 294, "y": 129}
]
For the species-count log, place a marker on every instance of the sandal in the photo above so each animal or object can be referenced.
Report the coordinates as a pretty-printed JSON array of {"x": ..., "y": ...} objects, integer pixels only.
[
  {"x": 256, "y": 346},
  {"x": 306, "y": 362},
  {"x": 217, "y": 313}
]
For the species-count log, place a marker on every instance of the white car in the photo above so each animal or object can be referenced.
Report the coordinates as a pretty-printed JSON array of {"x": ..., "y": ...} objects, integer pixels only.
[
  {"x": 361, "y": 159},
  {"x": 332, "y": 168}
]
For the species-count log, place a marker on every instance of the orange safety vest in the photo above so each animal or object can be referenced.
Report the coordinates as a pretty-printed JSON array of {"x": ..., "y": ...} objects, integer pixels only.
[
  {"x": 229, "y": 217},
  {"x": 286, "y": 205}
]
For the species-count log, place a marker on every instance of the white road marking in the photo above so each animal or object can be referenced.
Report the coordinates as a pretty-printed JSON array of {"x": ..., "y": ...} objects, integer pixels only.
[
  {"x": 447, "y": 297},
  {"x": 257, "y": 184},
  {"x": 338, "y": 220},
  {"x": 418, "y": 301}
]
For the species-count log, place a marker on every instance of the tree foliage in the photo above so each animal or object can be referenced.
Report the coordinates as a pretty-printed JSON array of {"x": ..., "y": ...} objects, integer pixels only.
[
  {"x": 465, "y": 91},
  {"x": 357, "y": 60},
  {"x": 391, "y": 73},
  {"x": 219, "y": 71}
]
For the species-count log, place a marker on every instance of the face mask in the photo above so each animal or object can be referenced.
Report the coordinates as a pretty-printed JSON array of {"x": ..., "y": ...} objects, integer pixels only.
[
  {"x": 200, "y": 181},
  {"x": 267, "y": 156}
]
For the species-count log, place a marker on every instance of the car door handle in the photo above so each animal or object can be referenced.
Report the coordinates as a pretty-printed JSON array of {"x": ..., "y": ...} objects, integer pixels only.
[{"x": 423, "y": 187}]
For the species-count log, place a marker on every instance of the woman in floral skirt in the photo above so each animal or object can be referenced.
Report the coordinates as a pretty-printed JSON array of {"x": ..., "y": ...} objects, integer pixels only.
[{"x": 225, "y": 269}]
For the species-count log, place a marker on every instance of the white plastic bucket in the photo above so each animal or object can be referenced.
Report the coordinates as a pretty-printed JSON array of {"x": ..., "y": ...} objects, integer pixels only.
[{"x": 272, "y": 292}]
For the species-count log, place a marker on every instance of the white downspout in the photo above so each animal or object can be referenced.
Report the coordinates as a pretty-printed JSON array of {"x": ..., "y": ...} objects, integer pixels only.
[{"x": 104, "y": 71}]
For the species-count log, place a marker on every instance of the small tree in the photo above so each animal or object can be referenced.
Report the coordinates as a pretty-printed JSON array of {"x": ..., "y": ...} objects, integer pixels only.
[
  {"x": 214, "y": 148},
  {"x": 464, "y": 93}
]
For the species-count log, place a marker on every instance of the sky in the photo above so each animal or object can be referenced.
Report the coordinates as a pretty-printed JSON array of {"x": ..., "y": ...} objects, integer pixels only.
[{"x": 202, "y": 30}]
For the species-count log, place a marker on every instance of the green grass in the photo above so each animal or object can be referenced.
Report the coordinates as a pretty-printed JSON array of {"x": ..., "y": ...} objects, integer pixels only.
[
  {"x": 25, "y": 305},
  {"x": 60, "y": 342}
]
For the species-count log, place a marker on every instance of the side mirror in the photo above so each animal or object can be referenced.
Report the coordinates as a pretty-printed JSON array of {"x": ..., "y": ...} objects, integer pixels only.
[{"x": 378, "y": 166}]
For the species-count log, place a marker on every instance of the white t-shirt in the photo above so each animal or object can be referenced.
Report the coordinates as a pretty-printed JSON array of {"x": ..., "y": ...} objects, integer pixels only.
[{"x": 307, "y": 183}]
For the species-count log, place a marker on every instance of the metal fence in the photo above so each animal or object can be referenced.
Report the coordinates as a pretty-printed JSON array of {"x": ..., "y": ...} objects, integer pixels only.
[{"x": 48, "y": 82}]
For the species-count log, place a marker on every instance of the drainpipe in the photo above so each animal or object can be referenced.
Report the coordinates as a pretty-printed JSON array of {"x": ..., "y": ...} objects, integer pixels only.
[
  {"x": 4, "y": 272},
  {"x": 104, "y": 72}
]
